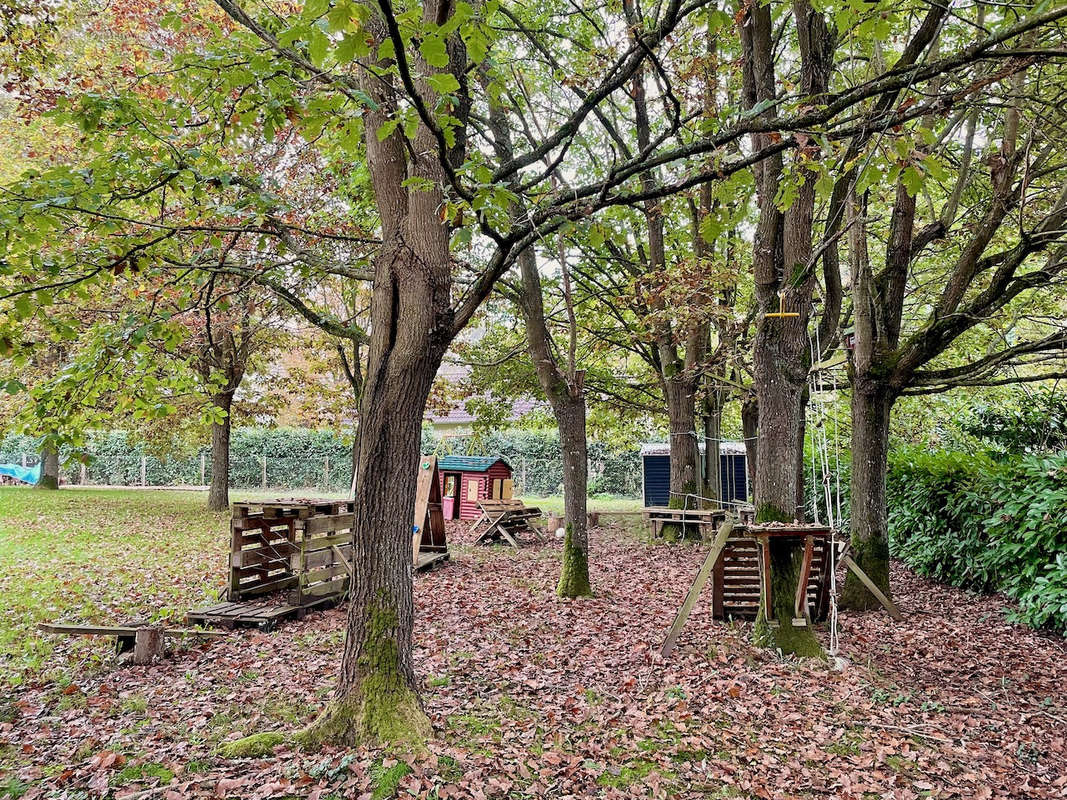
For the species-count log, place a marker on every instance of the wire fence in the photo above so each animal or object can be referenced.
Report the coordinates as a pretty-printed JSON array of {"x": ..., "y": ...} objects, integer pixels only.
[{"x": 540, "y": 477}]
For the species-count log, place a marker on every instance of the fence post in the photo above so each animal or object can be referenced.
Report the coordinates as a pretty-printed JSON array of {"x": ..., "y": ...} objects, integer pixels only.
[
  {"x": 24, "y": 461},
  {"x": 203, "y": 474},
  {"x": 522, "y": 475},
  {"x": 327, "y": 484},
  {"x": 143, "y": 470},
  {"x": 81, "y": 475},
  {"x": 263, "y": 458}
]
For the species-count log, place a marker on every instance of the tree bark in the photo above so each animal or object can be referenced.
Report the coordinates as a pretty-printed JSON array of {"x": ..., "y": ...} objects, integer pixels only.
[
  {"x": 685, "y": 452},
  {"x": 49, "y": 478},
  {"x": 218, "y": 496},
  {"x": 871, "y": 407},
  {"x": 750, "y": 430},
  {"x": 574, "y": 572},
  {"x": 712, "y": 482}
]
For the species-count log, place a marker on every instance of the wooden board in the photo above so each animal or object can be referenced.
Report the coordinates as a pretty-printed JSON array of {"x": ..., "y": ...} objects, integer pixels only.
[
  {"x": 429, "y": 522},
  {"x": 252, "y": 614}
]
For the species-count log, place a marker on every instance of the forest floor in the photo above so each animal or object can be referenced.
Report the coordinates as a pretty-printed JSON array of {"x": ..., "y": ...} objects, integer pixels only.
[{"x": 530, "y": 696}]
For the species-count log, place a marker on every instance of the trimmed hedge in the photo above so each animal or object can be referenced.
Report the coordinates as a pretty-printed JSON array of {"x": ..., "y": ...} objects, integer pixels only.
[{"x": 985, "y": 525}]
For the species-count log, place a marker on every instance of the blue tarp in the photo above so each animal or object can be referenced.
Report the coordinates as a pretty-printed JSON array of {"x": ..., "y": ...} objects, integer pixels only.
[{"x": 24, "y": 474}]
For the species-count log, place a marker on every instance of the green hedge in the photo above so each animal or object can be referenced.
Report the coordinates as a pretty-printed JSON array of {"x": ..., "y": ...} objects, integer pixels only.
[
  {"x": 985, "y": 525},
  {"x": 296, "y": 458}
]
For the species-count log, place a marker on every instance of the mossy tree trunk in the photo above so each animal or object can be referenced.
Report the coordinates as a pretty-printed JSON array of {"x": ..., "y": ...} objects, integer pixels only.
[
  {"x": 412, "y": 323},
  {"x": 574, "y": 573},
  {"x": 564, "y": 388},
  {"x": 377, "y": 700},
  {"x": 871, "y": 408},
  {"x": 218, "y": 496},
  {"x": 49, "y": 478},
  {"x": 782, "y": 255}
]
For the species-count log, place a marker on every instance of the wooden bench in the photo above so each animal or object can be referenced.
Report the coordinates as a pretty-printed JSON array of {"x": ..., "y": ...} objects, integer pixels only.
[
  {"x": 703, "y": 520},
  {"x": 146, "y": 641},
  {"x": 504, "y": 519}
]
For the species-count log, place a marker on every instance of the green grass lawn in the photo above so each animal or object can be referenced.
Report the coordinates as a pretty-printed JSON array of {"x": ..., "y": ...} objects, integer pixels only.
[
  {"x": 100, "y": 556},
  {"x": 107, "y": 556}
]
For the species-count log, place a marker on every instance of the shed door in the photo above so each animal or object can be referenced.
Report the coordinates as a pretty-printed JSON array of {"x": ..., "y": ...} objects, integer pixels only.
[{"x": 472, "y": 490}]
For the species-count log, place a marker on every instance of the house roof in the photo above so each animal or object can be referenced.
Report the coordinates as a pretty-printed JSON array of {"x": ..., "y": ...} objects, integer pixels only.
[
  {"x": 726, "y": 448},
  {"x": 458, "y": 415},
  {"x": 468, "y": 463}
]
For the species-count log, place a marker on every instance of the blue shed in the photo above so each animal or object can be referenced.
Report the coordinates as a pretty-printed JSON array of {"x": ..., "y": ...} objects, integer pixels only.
[{"x": 656, "y": 473}]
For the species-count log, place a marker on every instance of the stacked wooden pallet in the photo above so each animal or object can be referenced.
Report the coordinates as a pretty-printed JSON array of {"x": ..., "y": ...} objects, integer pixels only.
[{"x": 302, "y": 546}]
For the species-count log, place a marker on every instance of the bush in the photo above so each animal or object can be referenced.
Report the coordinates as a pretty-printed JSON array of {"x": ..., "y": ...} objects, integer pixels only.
[{"x": 985, "y": 525}]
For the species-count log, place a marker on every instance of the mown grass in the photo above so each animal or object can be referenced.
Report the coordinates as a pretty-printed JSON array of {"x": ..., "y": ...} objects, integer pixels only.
[{"x": 98, "y": 556}]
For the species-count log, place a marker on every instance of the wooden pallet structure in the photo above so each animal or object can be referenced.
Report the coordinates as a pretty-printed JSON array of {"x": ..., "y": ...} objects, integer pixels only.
[
  {"x": 703, "y": 522},
  {"x": 738, "y": 576},
  {"x": 141, "y": 641},
  {"x": 303, "y": 548},
  {"x": 505, "y": 520},
  {"x": 738, "y": 564}
]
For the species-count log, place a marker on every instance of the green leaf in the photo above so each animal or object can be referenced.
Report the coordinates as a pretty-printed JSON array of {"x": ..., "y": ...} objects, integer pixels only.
[
  {"x": 433, "y": 50},
  {"x": 443, "y": 83}
]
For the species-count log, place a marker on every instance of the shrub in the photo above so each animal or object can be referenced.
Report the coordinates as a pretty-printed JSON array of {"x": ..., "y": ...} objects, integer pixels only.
[{"x": 985, "y": 525}]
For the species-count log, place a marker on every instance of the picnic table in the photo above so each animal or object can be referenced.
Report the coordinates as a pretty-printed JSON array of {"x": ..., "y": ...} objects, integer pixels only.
[{"x": 505, "y": 519}]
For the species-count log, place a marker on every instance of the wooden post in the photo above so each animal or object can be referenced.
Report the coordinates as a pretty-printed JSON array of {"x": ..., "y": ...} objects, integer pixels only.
[
  {"x": 203, "y": 466},
  {"x": 144, "y": 470},
  {"x": 593, "y": 520},
  {"x": 263, "y": 459},
  {"x": 887, "y": 604},
  {"x": 24, "y": 461},
  {"x": 326, "y": 483},
  {"x": 148, "y": 644},
  {"x": 522, "y": 476},
  {"x": 81, "y": 475}
]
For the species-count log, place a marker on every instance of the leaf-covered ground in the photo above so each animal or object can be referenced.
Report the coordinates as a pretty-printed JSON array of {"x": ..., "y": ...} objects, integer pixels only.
[{"x": 531, "y": 696}]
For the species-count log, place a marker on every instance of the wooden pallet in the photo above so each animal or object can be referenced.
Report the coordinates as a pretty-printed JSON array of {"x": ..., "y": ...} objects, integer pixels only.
[{"x": 265, "y": 615}]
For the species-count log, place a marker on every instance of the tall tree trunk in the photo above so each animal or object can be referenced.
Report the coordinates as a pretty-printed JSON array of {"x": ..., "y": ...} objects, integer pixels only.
[
  {"x": 377, "y": 698},
  {"x": 750, "y": 430},
  {"x": 574, "y": 572},
  {"x": 712, "y": 482},
  {"x": 871, "y": 407},
  {"x": 566, "y": 395},
  {"x": 49, "y": 478},
  {"x": 218, "y": 496},
  {"x": 685, "y": 452}
]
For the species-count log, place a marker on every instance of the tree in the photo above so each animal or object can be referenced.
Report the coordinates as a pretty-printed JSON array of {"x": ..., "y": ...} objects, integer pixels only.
[{"x": 973, "y": 271}]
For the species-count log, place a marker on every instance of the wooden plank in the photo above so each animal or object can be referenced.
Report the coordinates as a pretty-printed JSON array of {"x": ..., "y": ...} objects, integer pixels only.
[
  {"x": 800, "y": 601},
  {"x": 894, "y": 612},
  {"x": 336, "y": 522},
  {"x": 698, "y": 583},
  {"x": 116, "y": 630}
]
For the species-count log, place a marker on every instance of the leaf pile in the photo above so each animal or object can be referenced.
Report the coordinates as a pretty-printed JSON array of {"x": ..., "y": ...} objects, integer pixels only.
[{"x": 533, "y": 696}]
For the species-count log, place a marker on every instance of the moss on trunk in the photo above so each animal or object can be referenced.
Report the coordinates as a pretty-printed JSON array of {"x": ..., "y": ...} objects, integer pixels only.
[
  {"x": 872, "y": 556},
  {"x": 381, "y": 709},
  {"x": 574, "y": 572},
  {"x": 787, "y": 557}
]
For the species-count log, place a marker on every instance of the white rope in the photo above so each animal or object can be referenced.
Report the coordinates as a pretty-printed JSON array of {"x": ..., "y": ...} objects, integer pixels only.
[{"x": 821, "y": 450}]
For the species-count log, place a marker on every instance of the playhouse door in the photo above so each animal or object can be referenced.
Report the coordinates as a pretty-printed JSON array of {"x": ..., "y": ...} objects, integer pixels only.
[{"x": 449, "y": 496}]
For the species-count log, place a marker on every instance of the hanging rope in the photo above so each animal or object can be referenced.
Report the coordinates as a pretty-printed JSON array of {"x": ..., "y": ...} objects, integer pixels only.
[{"x": 820, "y": 447}]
